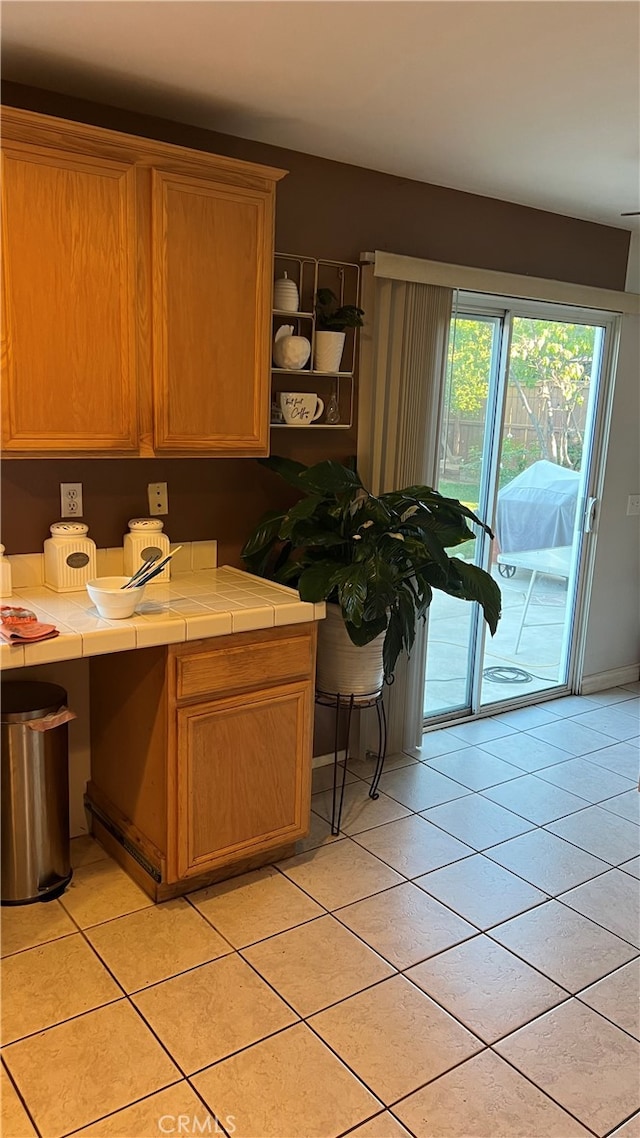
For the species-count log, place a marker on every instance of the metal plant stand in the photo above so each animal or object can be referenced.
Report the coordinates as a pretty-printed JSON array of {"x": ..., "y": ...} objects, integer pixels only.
[{"x": 349, "y": 702}]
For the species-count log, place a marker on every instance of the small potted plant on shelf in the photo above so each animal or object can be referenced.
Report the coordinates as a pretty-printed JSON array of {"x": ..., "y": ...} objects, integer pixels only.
[
  {"x": 331, "y": 320},
  {"x": 376, "y": 560}
]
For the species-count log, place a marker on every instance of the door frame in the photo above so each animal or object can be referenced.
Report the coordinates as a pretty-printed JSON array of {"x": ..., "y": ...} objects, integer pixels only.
[{"x": 468, "y": 304}]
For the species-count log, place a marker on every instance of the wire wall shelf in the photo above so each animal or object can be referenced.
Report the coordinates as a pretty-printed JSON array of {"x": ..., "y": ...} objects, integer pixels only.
[{"x": 335, "y": 388}]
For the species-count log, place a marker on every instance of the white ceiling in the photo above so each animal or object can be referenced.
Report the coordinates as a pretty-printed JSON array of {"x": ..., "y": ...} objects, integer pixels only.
[{"x": 529, "y": 101}]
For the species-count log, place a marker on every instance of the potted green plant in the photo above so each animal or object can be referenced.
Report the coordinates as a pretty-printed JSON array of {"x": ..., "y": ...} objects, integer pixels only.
[
  {"x": 376, "y": 560},
  {"x": 332, "y": 318}
]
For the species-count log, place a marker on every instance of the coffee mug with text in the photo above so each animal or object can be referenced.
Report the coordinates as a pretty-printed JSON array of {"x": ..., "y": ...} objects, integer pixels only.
[{"x": 300, "y": 408}]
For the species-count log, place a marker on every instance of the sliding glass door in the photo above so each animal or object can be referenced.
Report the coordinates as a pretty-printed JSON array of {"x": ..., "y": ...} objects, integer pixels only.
[
  {"x": 519, "y": 419},
  {"x": 467, "y": 415}
]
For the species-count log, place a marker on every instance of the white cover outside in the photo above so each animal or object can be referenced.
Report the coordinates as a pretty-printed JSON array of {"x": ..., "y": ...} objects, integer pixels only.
[{"x": 537, "y": 509}]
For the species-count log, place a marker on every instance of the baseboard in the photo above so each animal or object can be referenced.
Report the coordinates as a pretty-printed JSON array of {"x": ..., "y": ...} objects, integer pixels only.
[
  {"x": 614, "y": 678},
  {"x": 326, "y": 760}
]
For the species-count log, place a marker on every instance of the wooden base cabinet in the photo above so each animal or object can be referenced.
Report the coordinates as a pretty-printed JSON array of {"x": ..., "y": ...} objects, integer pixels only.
[
  {"x": 201, "y": 766},
  {"x": 238, "y": 789}
]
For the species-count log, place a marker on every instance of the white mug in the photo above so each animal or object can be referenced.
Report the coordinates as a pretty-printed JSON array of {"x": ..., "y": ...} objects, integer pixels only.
[{"x": 300, "y": 408}]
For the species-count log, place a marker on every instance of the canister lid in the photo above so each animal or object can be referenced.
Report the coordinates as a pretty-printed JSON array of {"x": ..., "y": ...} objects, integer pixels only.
[
  {"x": 30, "y": 699},
  {"x": 68, "y": 529},
  {"x": 146, "y": 525}
]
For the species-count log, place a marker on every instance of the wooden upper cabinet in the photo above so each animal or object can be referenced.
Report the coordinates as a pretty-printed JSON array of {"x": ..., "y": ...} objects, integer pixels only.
[
  {"x": 212, "y": 249},
  {"x": 69, "y": 233},
  {"x": 137, "y": 294}
]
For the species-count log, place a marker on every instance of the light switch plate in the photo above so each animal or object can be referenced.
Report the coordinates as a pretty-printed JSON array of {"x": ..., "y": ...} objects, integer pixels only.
[{"x": 633, "y": 505}]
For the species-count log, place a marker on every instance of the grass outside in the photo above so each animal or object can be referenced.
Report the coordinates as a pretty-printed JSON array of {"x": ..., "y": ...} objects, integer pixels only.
[{"x": 464, "y": 492}]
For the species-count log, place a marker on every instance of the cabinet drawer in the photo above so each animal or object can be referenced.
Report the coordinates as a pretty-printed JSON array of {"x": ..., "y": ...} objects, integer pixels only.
[{"x": 244, "y": 665}]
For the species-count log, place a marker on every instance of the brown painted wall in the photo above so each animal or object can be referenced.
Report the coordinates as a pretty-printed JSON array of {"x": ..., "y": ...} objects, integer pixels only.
[
  {"x": 325, "y": 209},
  {"x": 208, "y": 498},
  {"x": 330, "y": 209}
]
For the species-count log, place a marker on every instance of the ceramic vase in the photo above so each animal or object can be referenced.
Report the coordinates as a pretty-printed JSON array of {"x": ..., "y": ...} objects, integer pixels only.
[
  {"x": 329, "y": 347},
  {"x": 285, "y": 295}
]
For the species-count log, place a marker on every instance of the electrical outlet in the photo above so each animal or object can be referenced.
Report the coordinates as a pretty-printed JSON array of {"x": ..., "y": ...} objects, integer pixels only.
[
  {"x": 71, "y": 499},
  {"x": 158, "y": 498},
  {"x": 633, "y": 505}
]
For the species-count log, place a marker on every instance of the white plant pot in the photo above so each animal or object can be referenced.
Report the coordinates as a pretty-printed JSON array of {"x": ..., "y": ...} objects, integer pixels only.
[
  {"x": 329, "y": 347},
  {"x": 343, "y": 666}
]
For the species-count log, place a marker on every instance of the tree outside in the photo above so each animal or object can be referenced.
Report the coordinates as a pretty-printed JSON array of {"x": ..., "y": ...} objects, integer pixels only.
[
  {"x": 555, "y": 360},
  {"x": 549, "y": 377}
]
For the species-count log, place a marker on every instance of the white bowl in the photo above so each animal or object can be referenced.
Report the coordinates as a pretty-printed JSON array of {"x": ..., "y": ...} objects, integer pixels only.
[{"x": 111, "y": 600}]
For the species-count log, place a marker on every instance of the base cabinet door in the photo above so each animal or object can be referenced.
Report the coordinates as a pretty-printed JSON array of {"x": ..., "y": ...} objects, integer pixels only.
[{"x": 242, "y": 777}]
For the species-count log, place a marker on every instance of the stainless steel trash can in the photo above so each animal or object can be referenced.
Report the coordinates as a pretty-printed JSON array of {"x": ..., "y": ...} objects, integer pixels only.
[{"x": 35, "y": 792}]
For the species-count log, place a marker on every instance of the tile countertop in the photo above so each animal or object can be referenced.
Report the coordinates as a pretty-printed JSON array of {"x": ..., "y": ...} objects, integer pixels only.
[{"x": 192, "y": 606}]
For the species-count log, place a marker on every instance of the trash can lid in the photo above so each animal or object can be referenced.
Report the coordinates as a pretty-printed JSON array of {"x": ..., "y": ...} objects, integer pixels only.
[{"x": 29, "y": 699}]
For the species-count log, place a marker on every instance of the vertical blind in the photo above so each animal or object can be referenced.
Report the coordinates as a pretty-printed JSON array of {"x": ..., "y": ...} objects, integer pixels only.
[{"x": 402, "y": 370}]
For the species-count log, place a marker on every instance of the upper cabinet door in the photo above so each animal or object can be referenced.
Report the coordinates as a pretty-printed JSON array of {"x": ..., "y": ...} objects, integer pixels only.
[
  {"x": 69, "y": 352},
  {"x": 212, "y": 247}
]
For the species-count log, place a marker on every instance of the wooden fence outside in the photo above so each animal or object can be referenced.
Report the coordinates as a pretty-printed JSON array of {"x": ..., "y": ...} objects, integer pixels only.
[{"x": 465, "y": 436}]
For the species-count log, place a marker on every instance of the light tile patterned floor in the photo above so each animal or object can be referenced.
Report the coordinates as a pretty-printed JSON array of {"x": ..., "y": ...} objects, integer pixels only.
[{"x": 462, "y": 962}]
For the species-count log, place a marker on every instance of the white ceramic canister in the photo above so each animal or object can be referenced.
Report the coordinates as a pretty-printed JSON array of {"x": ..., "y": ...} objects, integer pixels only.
[
  {"x": 69, "y": 557},
  {"x": 144, "y": 542},
  {"x": 5, "y": 574},
  {"x": 285, "y": 295}
]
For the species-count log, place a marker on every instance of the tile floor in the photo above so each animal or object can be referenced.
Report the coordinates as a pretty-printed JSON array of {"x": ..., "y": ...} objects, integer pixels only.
[{"x": 462, "y": 962}]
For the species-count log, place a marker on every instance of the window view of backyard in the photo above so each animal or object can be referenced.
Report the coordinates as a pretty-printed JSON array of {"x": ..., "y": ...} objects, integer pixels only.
[{"x": 551, "y": 369}]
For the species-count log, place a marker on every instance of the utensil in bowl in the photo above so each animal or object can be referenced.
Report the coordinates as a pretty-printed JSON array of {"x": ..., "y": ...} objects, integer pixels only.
[
  {"x": 111, "y": 601},
  {"x": 141, "y": 571},
  {"x": 152, "y": 569}
]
